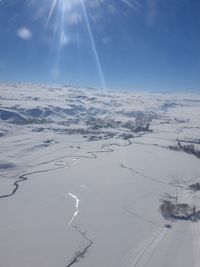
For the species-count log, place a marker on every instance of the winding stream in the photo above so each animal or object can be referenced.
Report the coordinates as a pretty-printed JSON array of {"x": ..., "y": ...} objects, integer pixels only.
[{"x": 106, "y": 148}]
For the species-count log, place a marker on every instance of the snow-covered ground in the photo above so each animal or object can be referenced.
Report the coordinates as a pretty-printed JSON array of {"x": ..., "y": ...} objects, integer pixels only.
[{"x": 83, "y": 174}]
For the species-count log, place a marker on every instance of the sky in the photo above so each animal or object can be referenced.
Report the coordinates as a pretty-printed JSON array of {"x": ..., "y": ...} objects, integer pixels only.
[{"x": 111, "y": 44}]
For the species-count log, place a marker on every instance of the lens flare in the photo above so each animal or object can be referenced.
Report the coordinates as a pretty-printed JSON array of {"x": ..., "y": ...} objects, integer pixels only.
[
  {"x": 59, "y": 12},
  {"x": 96, "y": 56}
]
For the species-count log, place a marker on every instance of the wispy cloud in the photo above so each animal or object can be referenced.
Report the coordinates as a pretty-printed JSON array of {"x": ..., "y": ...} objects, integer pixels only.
[
  {"x": 107, "y": 40},
  {"x": 64, "y": 39},
  {"x": 153, "y": 8},
  {"x": 111, "y": 9},
  {"x": 24, "y": 33},
  {"x": 73, "y": 18},
  {"x": 55, "y": 72},
  {"x": 94, "y": 3},
  {"x": 132, "y": 4}
]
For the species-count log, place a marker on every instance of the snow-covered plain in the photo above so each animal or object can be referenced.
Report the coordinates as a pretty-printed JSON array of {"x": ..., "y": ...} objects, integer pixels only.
[{"x": 83, "y": 175}]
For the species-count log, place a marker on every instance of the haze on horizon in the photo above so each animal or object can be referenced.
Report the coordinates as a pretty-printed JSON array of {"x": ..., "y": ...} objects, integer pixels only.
[{"x": 120, "y": 44}]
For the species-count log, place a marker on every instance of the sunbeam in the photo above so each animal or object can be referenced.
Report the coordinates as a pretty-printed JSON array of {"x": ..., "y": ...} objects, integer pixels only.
[
  {"x": 58, "y": 15},
  {"x": 58, "y": 12},
  {"x": 96, "y": 56},
  {"x": 54, "y": 2}
]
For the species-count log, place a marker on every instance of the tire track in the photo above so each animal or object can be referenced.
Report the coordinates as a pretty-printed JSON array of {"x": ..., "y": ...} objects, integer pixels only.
[
  {"x": 142, "y": 217},
  {"x": 153, "y": 241},
  {"x": 153, "y": 179},
  {"x": 158, "y": 238}
]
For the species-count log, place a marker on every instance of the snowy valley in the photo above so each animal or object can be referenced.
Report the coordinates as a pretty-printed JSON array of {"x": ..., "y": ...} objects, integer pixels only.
[{"x": 95, "y": 178}]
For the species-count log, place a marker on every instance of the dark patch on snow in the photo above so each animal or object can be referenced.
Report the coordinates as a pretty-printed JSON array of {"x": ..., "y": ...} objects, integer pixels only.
[{"x": 6, "y": 165}]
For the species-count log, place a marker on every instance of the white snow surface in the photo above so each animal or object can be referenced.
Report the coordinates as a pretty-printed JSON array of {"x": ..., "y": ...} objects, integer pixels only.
[{"x": 83, "y": 173}]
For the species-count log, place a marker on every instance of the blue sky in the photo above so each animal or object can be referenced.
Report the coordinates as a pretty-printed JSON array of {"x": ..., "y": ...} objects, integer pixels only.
[{"x": 117, "y": 44}]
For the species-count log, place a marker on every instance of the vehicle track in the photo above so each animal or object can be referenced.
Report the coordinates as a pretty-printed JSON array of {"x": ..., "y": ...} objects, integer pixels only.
[
  {"x": 158, "y": 238},
  {"x": 153, "y": 179}
]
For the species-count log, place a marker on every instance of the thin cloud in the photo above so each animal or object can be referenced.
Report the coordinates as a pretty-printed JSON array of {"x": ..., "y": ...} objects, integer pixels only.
[
  {"x": 73, "y": 18},
  {"x": 153, "y": 10},
  {"x": 107, "y": 40},
  {"x": 111, "y": 9},
  {"x": 55, "y": 73},
  {"x": 64, "y": 39},
  {"x": 24, "y": 33},
  {"x": 94, "y": 3},
  {"x": 133, "y": 5}
]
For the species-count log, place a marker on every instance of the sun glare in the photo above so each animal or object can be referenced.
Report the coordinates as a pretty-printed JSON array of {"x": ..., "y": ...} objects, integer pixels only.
[{"x": 63, "y": 11}]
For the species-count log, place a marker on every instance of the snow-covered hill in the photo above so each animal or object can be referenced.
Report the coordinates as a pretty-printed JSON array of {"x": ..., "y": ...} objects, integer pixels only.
[{"x": 95, "y": 178}]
